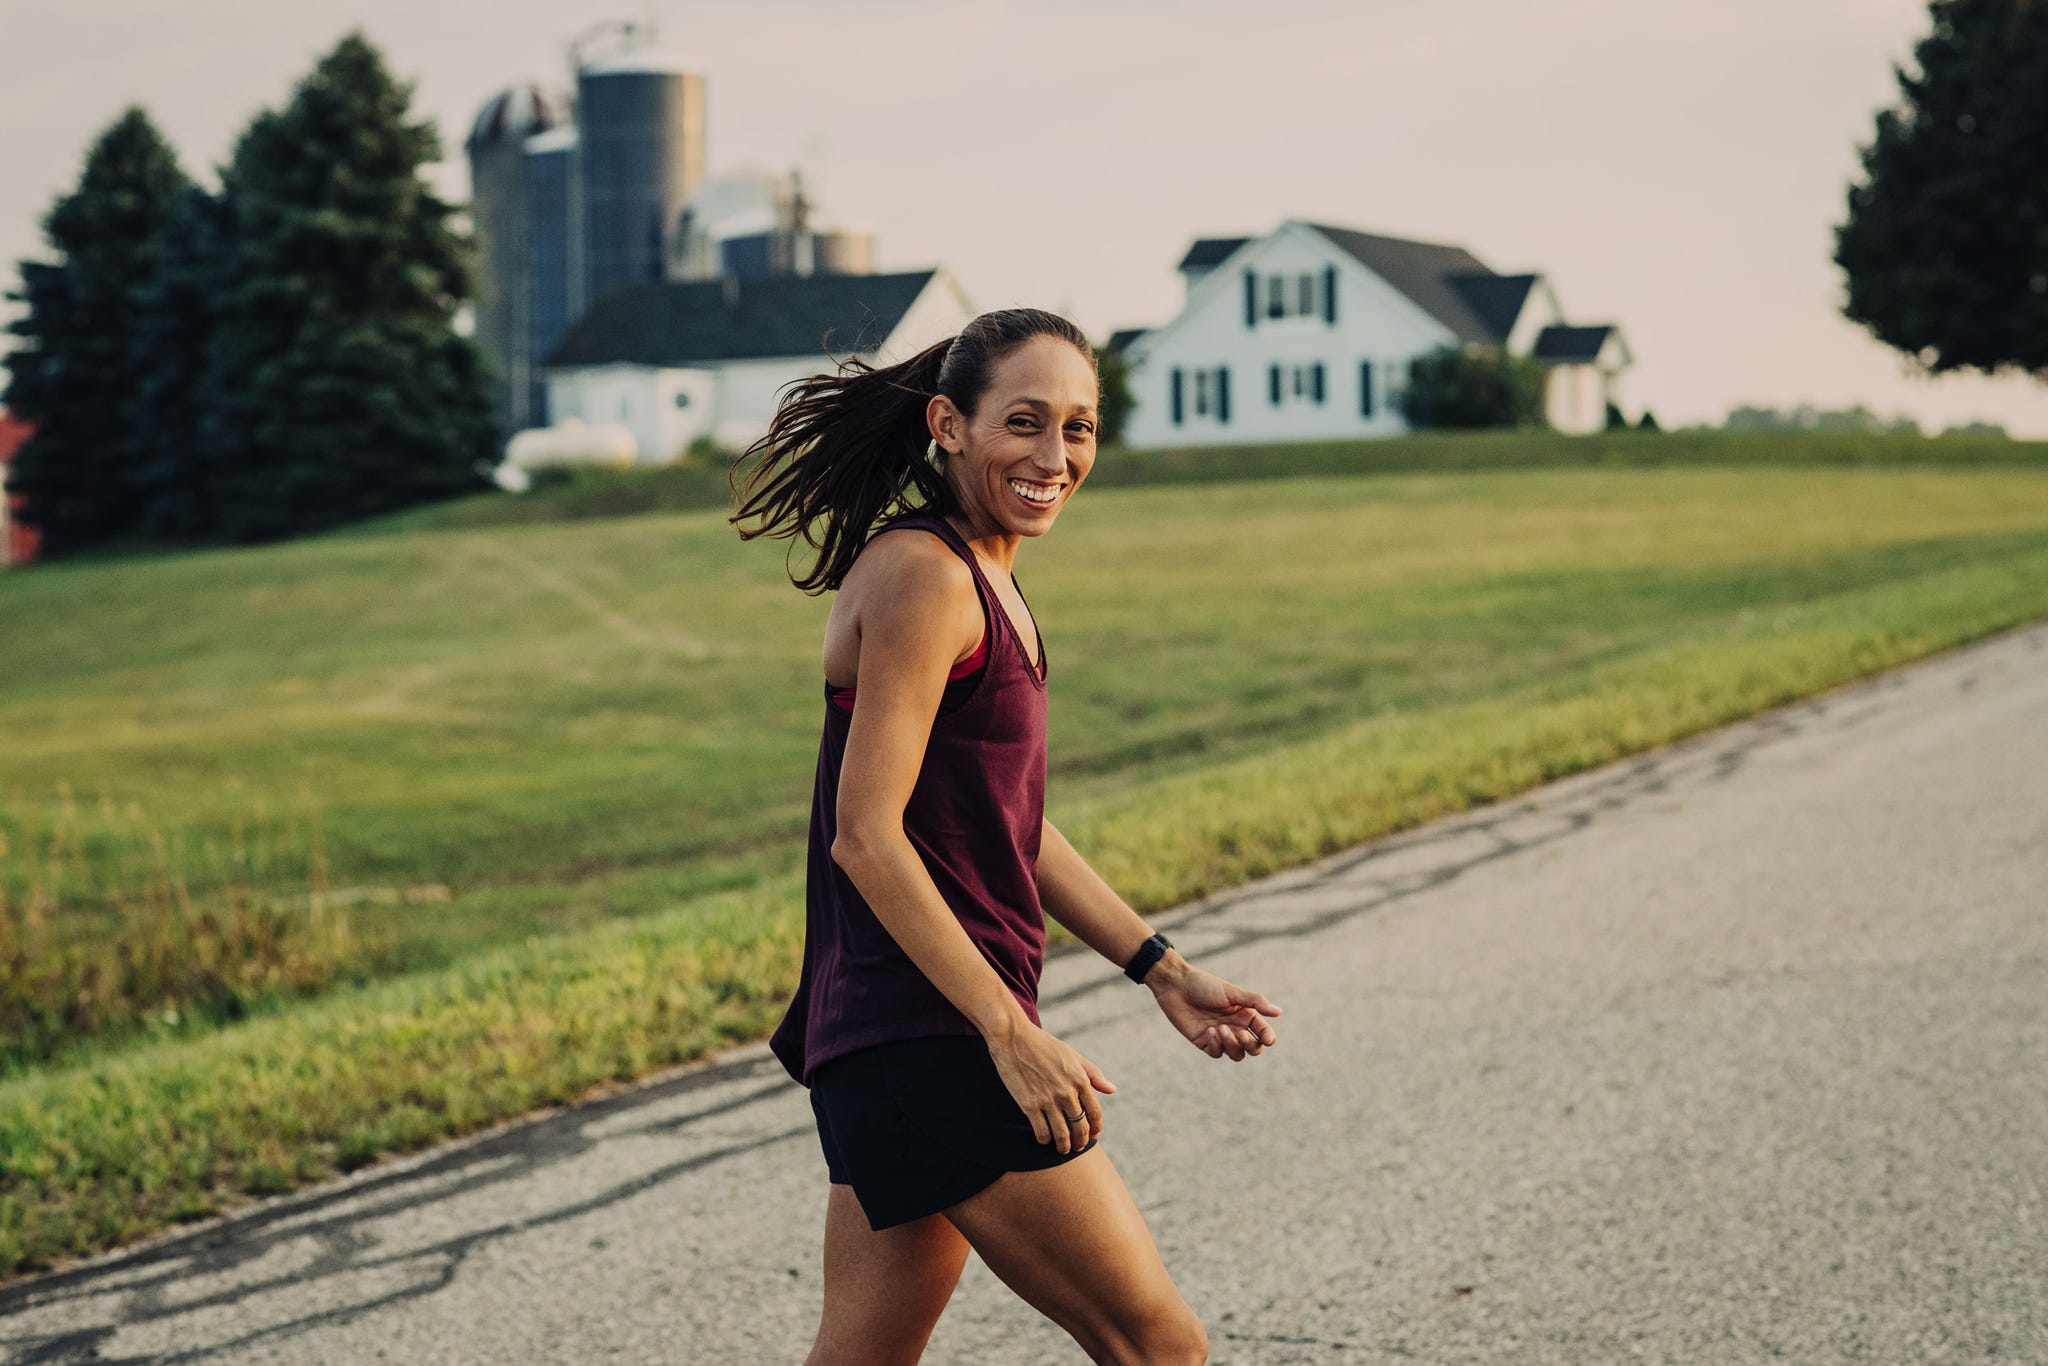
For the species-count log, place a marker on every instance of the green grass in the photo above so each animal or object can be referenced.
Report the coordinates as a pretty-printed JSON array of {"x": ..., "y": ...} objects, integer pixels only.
[{"x": 562, "y": 769}]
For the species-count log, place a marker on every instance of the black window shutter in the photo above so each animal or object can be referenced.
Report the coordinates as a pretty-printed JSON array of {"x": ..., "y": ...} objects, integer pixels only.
[
  {"x": 1174, "y": 398},
  {"x": 1223, "y": 393},
  {"x": 1315, "y": 390},
  {"x": 1273, "y": 384},
  {"x": 1330, "y": 295},
  {"x": 1365, "y": 388},
  {"x": 1251, "y": 299}
]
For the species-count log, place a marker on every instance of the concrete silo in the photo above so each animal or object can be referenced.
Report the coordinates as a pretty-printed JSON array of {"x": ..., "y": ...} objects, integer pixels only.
[
  {"x": 497, "y": 170},
  {"x": 640, "y": 116},
  {"x": 553, "y": 218}
]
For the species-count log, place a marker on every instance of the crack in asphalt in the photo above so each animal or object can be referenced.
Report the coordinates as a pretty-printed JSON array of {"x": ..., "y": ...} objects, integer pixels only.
[{"x": 524, "y": 1149}]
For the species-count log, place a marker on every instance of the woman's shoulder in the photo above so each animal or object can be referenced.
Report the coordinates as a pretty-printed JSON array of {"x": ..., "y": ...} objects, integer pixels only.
[
  {"x": 913, "y": 564},
  {"x": 911, "y": 547}
]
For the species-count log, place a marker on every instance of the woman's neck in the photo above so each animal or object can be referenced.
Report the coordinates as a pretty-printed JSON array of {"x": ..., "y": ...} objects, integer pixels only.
[{"x": 997, "y": 546}]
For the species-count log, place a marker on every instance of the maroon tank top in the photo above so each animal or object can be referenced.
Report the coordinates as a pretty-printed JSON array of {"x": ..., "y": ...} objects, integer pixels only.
[{"x": 975, "y": 817}]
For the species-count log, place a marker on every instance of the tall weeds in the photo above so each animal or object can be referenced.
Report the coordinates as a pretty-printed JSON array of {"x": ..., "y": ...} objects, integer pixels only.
[{"x": 108, "y": 922}]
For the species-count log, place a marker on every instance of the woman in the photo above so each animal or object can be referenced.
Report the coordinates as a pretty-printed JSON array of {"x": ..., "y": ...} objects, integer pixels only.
[{"x": 949, "y": 1117}]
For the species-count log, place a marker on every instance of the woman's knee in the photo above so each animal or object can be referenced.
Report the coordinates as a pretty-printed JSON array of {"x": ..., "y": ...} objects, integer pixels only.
[{"x": 1167, "y": 1334}]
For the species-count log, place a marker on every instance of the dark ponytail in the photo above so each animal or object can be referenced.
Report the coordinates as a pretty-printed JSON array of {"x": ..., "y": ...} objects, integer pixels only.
[{"x": 846, "y": 450}]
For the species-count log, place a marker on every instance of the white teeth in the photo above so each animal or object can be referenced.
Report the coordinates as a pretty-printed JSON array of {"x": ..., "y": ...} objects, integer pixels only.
[{"x": 1036, "y": 495}]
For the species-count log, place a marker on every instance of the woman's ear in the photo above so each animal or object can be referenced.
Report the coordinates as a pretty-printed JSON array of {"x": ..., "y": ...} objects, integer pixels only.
[{"x": 944, "y": 421}]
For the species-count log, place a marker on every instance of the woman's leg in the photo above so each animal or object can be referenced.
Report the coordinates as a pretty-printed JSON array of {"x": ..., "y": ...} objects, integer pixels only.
[
  {"x": 883, "y": 1290},
  {"x": 1070, "y": 1240}
]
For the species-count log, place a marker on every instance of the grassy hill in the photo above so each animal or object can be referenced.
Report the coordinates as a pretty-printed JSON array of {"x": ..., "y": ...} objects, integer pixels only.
[{"x": 412, "y": 827}]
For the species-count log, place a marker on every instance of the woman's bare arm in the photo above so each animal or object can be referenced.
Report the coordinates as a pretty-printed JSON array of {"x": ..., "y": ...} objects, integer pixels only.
[
  {"x": 1074, "y": 894},
  {"x": 1218, "y": 1017}
]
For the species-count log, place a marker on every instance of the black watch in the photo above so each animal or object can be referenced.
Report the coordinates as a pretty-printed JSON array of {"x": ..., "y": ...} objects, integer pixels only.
[{"x": 1149, "y": 952}]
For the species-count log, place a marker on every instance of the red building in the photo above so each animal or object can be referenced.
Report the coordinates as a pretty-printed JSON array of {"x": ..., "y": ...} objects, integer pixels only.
[{"x": 17, "y": 541}]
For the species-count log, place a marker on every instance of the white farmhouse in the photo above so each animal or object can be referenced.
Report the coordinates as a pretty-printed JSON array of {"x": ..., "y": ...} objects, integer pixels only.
[
  {"x": 1307, "y": 334},
  {"x": 672, "y": 361}
]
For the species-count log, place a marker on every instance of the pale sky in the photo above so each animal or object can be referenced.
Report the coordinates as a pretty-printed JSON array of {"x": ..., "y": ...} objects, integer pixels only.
[{"x": 1676, "y": 169}]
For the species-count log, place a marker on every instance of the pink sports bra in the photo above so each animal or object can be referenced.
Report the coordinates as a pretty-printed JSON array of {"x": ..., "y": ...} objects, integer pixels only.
[{"x": 843, "y": 697}]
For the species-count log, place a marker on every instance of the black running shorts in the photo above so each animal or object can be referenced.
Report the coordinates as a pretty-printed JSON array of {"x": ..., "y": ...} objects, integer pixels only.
[{"x": 916, "y": 1125}]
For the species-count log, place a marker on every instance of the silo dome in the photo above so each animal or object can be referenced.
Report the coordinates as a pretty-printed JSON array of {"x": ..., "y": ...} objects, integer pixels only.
[{"x": 515, "y": 114}]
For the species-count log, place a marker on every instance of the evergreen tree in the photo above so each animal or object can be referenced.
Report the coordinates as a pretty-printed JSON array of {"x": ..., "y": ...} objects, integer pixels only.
[
  {"x": 77, "y": 371},
  {"x": 336, "y": 385},
  {"x": 171, "y": 330},
  {"x": 1649, "y": 422},
  {"x": 1946, "y": 242}
]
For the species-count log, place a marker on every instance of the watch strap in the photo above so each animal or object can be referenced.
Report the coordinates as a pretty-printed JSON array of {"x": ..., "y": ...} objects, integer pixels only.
[{"x": 1149, "y": 952}]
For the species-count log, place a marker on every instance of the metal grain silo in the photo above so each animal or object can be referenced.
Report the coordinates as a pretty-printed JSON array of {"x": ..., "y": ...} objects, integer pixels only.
[
  {"x": 641, "y": 119},
  {"x": 497, "y": 168}
]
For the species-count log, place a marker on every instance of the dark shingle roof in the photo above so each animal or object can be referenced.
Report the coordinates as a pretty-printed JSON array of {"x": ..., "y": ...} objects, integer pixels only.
[
  {"x": 1210, "y": 251},
  {"x": 1571, "y": 345},
  {"x": 691, "y": 322},
  {"x": 1425, "y": 272},
  {"x": 1496, "y": 299},
  {"x": 1124, "y": 336}
]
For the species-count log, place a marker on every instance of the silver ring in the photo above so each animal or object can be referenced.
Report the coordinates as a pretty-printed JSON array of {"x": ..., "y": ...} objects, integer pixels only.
[{"x": 1074, "y": 1119}]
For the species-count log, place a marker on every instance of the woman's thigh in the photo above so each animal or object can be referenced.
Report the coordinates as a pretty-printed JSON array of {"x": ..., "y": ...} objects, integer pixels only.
[
  {"x": 884, "y": 1290},
  {"x": 1070, "y": 1241}
]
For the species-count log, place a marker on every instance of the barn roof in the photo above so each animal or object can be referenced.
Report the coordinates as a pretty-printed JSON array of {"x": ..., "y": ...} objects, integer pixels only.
[{"x": 681, "y": 323}]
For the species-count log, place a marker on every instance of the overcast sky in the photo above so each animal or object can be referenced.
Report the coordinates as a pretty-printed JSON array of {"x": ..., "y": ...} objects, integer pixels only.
[{"x": 1676, "y": 169}]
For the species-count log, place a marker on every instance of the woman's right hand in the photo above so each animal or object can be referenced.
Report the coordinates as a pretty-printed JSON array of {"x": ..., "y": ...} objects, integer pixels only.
[{"x": 1050, "y": 1080}]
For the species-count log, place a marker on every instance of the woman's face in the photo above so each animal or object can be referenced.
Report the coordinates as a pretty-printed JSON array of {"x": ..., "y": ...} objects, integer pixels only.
[{"x": 1031, "y": 441}]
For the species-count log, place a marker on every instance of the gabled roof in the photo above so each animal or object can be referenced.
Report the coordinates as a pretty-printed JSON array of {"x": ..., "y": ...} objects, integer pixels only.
[
  {"x": 1427, "y": 272},
  {"x": 1210, "y": 251},
  {"x": 1124, "y": 336},
  {"x": 1564, "y": 345},
  {"x": 681, "y": 323},
  {"x": 1496, "y": 300}
]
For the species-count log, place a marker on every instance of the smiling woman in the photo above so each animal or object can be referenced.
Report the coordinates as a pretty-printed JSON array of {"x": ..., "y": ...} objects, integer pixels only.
[{"x": 948, "y": 1117}]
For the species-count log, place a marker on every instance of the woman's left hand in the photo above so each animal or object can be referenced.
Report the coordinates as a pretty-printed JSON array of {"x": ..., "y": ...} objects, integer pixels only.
[{"x": 1215, "y": 1016}]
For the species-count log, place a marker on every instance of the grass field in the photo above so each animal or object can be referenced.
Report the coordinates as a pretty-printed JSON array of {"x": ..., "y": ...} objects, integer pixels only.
[{"x": 493, "y": 801}]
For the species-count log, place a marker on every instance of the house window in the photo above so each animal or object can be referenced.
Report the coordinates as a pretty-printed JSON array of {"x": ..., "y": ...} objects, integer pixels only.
[
  {"x": 682, "y": 399},
  {"x": 1300, "y": 380},
  {"x": 1305, "y": 293},
  {"x": 1315, "y": 382},
  {"x": 1273, "y": 383},
  {"x": 1276, "y": 296},
  {"x": 1365, "y": 388},
  {"x": 1201, "y": 393}
]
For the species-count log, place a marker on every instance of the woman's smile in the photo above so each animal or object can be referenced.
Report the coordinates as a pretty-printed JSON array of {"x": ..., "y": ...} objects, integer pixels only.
[{"x": 1039, "y": 493}]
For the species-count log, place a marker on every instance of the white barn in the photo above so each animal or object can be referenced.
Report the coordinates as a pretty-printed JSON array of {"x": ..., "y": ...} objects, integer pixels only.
[
  {"x": 1306, "y": 334},
  {"x": 672, "y": 361}
]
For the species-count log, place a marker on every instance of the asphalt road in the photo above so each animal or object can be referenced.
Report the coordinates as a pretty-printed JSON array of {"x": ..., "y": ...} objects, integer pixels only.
[{"x": 1735, "y": 1051}]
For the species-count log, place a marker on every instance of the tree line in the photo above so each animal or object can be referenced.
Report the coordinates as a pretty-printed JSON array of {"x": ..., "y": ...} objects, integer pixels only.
[{"x": 268, "y": 358}]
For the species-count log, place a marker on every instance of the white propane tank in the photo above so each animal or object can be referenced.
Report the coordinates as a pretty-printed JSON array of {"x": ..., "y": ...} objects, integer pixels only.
[{"x": 571, "y": 441}]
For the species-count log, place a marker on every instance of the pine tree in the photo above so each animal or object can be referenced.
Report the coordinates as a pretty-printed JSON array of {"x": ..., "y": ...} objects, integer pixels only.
[
  {"x": 171, "y": 330},
  {"x": 336, "y": 385},
  {"x": 77, "y": 372},
  {"x": 1946, "y": 242}
]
